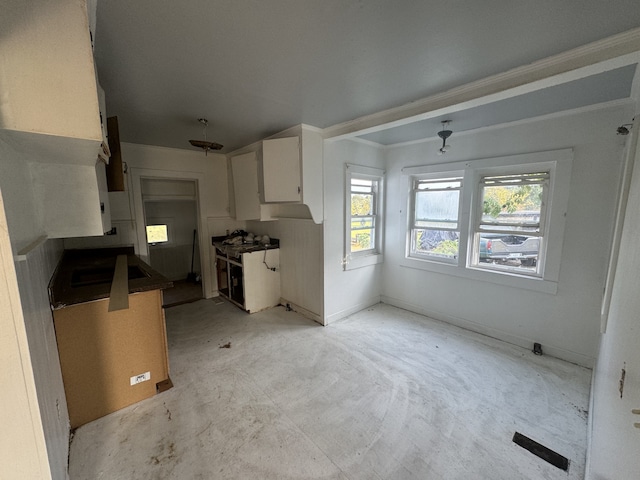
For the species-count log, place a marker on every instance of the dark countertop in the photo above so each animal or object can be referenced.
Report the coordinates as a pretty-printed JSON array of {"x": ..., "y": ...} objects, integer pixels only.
[
  {"x": 85, "y": 275},
  {"x": 235, "y": 250}
]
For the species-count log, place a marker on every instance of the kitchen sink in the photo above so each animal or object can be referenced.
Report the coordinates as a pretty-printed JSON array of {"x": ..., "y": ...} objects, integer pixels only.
[{"x": 83, "y": 277}]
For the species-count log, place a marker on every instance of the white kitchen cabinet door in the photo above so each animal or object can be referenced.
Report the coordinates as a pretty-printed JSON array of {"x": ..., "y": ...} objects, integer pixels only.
[
  {"x": 244, "y": 169},
  {"x": 281, "y": 170}
]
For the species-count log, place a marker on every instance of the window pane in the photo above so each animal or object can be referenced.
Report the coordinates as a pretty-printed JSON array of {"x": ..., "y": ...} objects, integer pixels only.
[
  {"x": 362, "y": 204},
  {"x": 437, "y": 209},
  {"x": 437, "y": 243},
  {"x": 362, "y": 240},
  {"x": 157, "y": 234},
  {"x": 361, "y": 223},
  {"x": 361, "y": 185},
  {"x": 509, "y": 251},
  {"x": 439, "y": 184},
  {"x": 511, "y": 207}
]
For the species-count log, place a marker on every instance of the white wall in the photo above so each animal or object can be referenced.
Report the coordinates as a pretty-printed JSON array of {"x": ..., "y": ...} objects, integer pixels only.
[
  {"x": 23, "y": 449},
  {"x": 615, "y": 442},
  {"x": 33, "y": 276},
  {"x": 23, "y": 216},
  {"x": 567, "y": 323},
  {"x": 345, "y": 291},
  {"x": 41, "y": 367},
  {"x": 301, "y": 274}
]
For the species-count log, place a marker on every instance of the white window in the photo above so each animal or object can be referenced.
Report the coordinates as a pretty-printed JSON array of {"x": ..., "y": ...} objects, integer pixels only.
[
  {"x": 435, "y": 226},
  {"x": 363, "y": 216},
  {"x": 510, "y": 222},
  {"x": 499, "y": 219},
  {"x": 157, "y": 234}
]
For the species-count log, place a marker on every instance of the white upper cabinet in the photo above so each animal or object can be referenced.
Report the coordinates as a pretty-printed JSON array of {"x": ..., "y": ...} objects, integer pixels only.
[
  {"x": 50, "y": 119},
  {"x": 244, "y": 169},
  {"x": 49, "y": 83},
  {"x": 282, "y": 170},
  {"x": 292, "y": 171}
]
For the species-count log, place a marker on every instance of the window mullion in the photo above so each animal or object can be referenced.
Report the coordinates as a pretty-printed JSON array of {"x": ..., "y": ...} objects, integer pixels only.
[{"x": 466, "y": 205}]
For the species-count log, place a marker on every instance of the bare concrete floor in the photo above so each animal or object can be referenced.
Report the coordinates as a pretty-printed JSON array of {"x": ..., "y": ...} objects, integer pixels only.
[{"x": 383, "y": 394}]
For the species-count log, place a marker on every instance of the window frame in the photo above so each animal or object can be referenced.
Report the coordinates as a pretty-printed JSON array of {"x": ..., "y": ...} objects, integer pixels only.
[
  {"x": 352, "y": 260},
  {"x": 412, "y": 215},
  {"x": 475, "y": 231},
  {"x": 557, "y": 162}
]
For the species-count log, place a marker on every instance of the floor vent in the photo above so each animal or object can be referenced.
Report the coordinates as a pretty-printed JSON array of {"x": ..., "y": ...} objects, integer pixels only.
[{"x": 541, "y": 451}]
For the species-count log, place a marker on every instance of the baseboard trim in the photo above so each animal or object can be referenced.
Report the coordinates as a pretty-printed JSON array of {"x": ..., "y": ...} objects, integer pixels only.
[
  {"x": 302, "y": 311},
  {"x": 587, "y": 461},
  {"x": 567, "y": 355},
  {"x": 351, "y": 310}
]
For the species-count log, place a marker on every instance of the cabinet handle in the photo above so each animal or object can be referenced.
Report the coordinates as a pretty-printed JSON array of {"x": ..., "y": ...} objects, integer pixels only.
[{"x": 298, "y": 190}]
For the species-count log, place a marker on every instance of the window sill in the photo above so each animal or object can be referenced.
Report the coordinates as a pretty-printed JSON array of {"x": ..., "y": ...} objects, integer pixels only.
[
  {"x": 505, "y": 279},
  {"x": 364, "y": 261}
]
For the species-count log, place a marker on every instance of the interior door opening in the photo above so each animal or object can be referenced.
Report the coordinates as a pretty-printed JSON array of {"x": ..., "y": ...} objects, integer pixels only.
[{"x": 171, "y": 227}]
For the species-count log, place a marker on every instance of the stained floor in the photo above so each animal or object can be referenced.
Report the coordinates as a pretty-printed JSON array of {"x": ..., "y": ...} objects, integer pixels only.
[{"x": 383, "y": 394}]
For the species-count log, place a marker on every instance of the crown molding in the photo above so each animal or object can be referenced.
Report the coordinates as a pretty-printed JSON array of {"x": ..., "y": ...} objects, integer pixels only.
[{"x": 596, "y": 57}]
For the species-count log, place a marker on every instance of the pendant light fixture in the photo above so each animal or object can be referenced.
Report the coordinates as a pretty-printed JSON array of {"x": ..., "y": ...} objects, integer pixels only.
[
  {"x": 444, "y": 134},
  {"x": 204, "y": 144}
]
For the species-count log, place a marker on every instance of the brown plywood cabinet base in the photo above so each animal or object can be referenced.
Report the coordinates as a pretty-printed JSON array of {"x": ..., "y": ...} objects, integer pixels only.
[{"x": 113, "y": 359}]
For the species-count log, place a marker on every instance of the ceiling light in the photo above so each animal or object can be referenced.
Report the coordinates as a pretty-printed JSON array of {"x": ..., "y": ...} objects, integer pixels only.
[
  {"x": 444, "y": 134},
  {"x": 204, "y": 144}
]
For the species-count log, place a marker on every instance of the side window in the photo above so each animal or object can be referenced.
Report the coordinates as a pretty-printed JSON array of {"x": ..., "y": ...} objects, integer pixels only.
[
  {"x": 435, "y": 218},
  {"x": 363, "y": 215},
  {"x": 509, "y": 231}
]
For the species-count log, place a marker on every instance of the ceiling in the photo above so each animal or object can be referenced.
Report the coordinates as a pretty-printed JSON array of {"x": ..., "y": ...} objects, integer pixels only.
[
  {"x": 600, "y": 88},
  {"x": 256, "y": 67}
]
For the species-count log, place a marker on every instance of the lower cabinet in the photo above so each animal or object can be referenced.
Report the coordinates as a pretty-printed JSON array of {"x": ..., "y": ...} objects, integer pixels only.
[
  {"x": 251, "y": 280},
  {"x": 110, "y": 360}
]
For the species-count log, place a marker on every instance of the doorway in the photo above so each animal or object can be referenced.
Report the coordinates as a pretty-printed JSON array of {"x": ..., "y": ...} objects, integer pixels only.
[{"x": 171, "y": 225}]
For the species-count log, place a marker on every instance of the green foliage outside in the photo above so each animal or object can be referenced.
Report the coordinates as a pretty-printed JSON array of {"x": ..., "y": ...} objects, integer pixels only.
[
  {"x": 499, "y": 200},
  {"x": 361, "y": 204},
  {"x": 447, "y": 247},
  {"x": 360, "y": 241}
]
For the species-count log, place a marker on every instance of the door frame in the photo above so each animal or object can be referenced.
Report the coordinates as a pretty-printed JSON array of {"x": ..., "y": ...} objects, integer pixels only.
[{"x": 141, "y": 247}]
